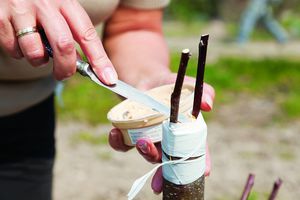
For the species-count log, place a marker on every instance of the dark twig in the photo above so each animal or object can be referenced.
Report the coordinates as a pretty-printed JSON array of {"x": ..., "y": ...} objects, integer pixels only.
[
  {"x": 175, "y": 97},
  {"x": 248, "y": 187},
  {"x": 200, "y": 75},
  {"x": 275, "y": 189}
]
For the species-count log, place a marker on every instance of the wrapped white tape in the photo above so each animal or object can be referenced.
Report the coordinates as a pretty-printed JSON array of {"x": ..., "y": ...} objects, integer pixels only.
[
  {"x": 179, "y": 140},
  {"x": 140, "y": 182},
  {"x": 181, "y": 171},
  {"x": 184, "y": 172}
]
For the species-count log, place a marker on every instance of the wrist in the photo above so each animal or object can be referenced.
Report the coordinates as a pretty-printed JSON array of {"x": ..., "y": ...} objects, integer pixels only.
[{"x": 149, "y": 81}]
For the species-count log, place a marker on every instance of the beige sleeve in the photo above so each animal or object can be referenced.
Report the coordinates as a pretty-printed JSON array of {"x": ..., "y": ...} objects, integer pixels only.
[{"x": 145, "y": 4}]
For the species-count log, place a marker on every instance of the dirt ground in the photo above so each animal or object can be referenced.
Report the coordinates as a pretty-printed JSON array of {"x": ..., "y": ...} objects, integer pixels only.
[
  {"x": 243, "y": 139},
  {"x": 242, "y": 143}
]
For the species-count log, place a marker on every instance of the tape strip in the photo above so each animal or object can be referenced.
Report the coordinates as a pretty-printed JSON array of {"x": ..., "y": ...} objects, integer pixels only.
[
  {"x": 174, "y": 171},
  {"x": 140, "y": 182},
  {"x": 181, "y": 138},
  {"x": 184, "y": 172}
]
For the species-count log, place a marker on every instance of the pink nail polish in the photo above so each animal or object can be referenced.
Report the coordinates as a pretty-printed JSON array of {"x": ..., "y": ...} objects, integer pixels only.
[
  {"x": 143, "y": 146},
  {"x": 209, "y": 101}
]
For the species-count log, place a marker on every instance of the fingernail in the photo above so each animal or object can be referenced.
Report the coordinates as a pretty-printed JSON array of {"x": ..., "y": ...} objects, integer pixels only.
[
  {"x": 110, "y": 76},
  {"x": 209, "y": 101},
  {"x": 143, "y": 146}
]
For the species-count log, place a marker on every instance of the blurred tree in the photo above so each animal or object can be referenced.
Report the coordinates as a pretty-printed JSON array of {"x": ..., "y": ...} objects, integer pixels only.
[
  {"x": 193, "y": 9},
  {"x": 188, "y": 10}
]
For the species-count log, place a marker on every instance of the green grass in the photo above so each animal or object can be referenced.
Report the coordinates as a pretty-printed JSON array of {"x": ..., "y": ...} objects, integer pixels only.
[
  {"x": 86, "y": 101},
  {"x": 187, "y": 29},
  {"x": 275, "y": 79},
  {"x": 253, "y": 196}
]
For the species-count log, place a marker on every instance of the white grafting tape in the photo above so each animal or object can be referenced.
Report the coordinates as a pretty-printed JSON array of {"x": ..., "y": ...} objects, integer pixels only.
[
  {"x": 179, "y": 140},
  {"x": 195, "y": 150},
  {"x": 184, "y": 172}
]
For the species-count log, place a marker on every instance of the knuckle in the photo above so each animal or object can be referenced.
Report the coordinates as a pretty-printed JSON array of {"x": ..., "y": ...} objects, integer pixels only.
[
  {"x": 3, "y": 22},
  {"x": 89, "y": 34},
  {"x": 19, "y": 6},
  {"x": 35, "y": 54},
  {"x": 100, "y": 61},
  {"x": 62, "y": 75},
  {"x": 42, "y": 3},
  {"x": 66, "y": 45}
]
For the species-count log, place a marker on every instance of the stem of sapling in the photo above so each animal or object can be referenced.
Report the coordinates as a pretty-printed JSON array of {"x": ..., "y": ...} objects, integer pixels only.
[
  {"x": 276, "y": 187},
  {"x": 175, "y": 96},
  {"x": 200, "y": 75},
  {"x": 248, "y": 187}
]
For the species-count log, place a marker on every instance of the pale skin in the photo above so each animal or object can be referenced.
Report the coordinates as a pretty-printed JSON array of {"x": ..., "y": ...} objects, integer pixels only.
[
  {"x": 133, "y": 41},
  {"x": 64, "y": 22}
]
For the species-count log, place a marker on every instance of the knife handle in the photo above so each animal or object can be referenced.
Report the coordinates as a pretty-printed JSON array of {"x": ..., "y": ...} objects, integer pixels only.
[{"x": 81, "y": 67}]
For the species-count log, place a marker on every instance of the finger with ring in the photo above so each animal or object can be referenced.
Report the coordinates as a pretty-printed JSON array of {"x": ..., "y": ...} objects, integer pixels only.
[
  {"x": 26, "y": 31},
  {"x": 29, "y": 39}
]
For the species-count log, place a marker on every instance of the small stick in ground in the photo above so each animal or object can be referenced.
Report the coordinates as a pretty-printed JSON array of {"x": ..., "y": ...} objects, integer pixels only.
[
  {"x": 248, "y": 187},
  {"x": 276, "y": 187},
  {"x": 200, "y": 75},
  {"x": 175, "y": 97}
]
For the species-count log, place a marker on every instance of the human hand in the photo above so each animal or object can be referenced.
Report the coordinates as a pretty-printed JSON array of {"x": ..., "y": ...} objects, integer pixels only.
[
  {"x": 150, "y": 151},
  {"x": 63, "y": 21}
]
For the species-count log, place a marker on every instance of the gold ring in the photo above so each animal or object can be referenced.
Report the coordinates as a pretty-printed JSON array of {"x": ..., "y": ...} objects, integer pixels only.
[{"x": 26, "y": 31}]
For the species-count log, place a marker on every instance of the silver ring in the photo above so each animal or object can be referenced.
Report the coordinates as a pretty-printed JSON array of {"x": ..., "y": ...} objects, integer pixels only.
[{"x": 26, "y": 31}]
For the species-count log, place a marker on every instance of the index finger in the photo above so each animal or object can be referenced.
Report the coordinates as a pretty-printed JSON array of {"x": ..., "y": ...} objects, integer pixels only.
[
  {"x": 86, "y": 35},
  {"x": 60, "y": 38}
]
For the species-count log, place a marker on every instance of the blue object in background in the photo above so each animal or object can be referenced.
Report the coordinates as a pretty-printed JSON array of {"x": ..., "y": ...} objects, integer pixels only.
[
  {"x": 58, "y": 93},
  {"x": 260, "y": 10}
]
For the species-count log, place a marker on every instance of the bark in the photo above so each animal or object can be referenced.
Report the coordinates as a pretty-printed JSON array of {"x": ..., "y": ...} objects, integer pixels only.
[{"x": 192, "y": 191}]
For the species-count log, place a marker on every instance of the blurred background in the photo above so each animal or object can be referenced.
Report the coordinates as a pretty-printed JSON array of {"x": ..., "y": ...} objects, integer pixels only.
[{"x": 254, "y": 127}]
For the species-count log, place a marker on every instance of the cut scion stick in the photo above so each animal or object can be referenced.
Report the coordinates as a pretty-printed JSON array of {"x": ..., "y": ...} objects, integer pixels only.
[
  {"x": 275, "y": 189},
  {"x": 175, "y": 96},
  {"x": 248, "y": 187},
  {"x": 200, "y": 75}
]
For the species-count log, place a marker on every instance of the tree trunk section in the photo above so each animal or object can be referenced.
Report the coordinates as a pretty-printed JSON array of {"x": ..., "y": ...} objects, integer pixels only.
[{"x": 192, "y": 191}]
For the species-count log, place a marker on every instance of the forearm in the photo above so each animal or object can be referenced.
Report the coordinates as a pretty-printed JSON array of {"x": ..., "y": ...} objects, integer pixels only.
[
  {"x": 133, "y": 40},
  {"x": 140, "y": 57}
]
